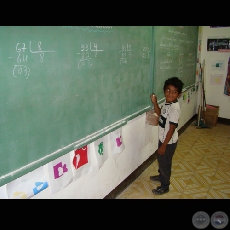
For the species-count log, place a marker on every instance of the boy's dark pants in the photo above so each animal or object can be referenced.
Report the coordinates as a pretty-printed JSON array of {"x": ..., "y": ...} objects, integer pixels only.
[{"x": 165, "y": 164}]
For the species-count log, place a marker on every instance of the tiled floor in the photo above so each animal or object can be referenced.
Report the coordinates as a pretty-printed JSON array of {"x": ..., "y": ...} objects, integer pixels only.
[{"x": 200, "y": 170}]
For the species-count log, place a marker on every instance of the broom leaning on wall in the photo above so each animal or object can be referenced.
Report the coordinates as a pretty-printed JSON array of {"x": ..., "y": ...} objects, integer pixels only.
[{"x": 202, "y": 107}]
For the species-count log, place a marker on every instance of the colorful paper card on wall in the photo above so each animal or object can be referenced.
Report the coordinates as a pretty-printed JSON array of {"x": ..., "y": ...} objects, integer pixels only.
[
  {"x": 101, "y": 150},
  {"x": 216, "y": 79},
  {"x": 184, "y": 96},
  {"x": 3, "y": 193},
  {"x": 60, "y": 173},
  {"x": 217, "y": 65},
  {"x": 28, "y": 185},
  {"x": 81, "y": 161},
  {"x": 188, "y": 95},
  {"x": 117, "y": 145}
]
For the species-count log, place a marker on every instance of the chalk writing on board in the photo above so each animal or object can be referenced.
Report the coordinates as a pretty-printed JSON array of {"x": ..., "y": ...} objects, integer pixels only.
[
  {"x": 21, "y": 69},
  {"x": 181, "y": 58},
  {"x": 146, "y": 52},
  {"x": 171, "y": 41},
  {"x": 85, "y": 54},
  {"x": 175, "y": 32},
  {"x": 169, "y": 46},
  {"x": 166, "y": 63},
  {"x": 126, "y": 53},
  {"x": 103, "y": 29}
]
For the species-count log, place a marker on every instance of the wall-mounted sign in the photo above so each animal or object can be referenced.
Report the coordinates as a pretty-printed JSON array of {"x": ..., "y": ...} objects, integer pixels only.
[{"x": 218, "y": 44}]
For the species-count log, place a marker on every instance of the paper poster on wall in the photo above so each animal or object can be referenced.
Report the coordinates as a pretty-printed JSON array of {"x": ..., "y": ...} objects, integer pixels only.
[
  {"x": 80, "y": 161},
  {"x": 216, "y": 79},
  {"x": 60, "y": 173},
  {"x": 101, "y": 150},
  {"x": 117, "y": 144},
  {"x": 217, "y": 65},
  {"x": 3, "y": 193},
  {"x": 218, "y": 44},
  {"x": 28, "y": 185}
]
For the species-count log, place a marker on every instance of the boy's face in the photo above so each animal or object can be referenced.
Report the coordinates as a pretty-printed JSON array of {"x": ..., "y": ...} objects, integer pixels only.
[{"x": 171, "y": 93}]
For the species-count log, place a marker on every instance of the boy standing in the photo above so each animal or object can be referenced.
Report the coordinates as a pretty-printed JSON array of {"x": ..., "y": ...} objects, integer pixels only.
[{"x": 168, "y": 115}]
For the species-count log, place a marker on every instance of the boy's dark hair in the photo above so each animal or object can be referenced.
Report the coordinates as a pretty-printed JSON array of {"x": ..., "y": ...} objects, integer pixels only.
[{"x": 176, "y": 82}]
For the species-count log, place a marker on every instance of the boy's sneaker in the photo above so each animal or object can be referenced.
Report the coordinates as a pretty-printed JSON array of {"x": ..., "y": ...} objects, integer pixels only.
[
  {"x": 155, "y": 178},
  {"x": 159, "y": 190}
]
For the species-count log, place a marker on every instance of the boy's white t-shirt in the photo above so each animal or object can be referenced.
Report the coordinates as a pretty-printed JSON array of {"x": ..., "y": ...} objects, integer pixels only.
[{"x": 170, "y": 114}]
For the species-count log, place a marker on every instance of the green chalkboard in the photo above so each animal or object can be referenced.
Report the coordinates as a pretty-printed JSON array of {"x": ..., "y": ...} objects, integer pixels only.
[
  {"x": 59, "y": 85},
  {"x": 175, "y": 54}
]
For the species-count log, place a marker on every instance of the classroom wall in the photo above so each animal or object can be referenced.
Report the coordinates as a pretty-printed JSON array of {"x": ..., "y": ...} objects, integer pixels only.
[
  {"x": 140, "y": 141},
  {"x": 214, "y": 93}
]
